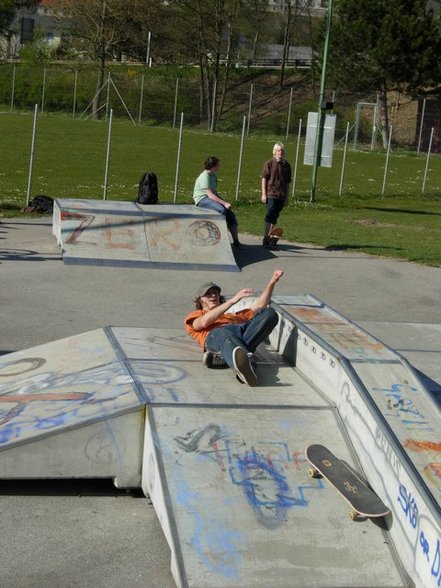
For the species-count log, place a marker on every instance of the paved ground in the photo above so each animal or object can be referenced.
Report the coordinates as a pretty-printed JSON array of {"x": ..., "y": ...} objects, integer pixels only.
[{"x": 71, "y": 534}]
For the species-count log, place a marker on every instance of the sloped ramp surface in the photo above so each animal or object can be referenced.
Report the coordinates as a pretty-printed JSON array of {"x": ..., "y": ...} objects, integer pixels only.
[
  {"x": 241, "y": 509},
  {"x": 70, "y": 409},
  {"x": 224, "y": 464},
  {"x": 113, "y": 233}
]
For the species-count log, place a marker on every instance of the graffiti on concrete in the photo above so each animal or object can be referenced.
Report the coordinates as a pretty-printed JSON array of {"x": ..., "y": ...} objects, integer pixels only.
[{"x": 260, "y": 471}]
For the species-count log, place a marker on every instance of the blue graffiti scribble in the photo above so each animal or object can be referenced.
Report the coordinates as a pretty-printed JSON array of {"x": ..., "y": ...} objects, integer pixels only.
[
  {"x": 217, "y": 547},
  {"x": 266, "y": 489}
]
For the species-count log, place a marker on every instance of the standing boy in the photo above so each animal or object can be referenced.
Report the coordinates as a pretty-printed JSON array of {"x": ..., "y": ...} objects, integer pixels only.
[{"x": 276, "y": 177}]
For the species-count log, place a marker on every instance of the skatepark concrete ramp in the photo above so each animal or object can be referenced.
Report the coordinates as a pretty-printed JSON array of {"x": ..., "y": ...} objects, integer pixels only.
[
  {"x": 225, "y": 464},
  {"x": 126, "y": 234}
]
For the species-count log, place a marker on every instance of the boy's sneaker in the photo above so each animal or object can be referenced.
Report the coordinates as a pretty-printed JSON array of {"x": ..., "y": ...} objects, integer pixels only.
[
  {"x": 214, "y": 360},
  {"x": 244, "y": 370},
  {"x": 266, "y": 242}
]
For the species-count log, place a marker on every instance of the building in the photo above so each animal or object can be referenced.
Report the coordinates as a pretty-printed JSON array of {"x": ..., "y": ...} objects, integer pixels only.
[
  {"x": 30, "y": 24},
  {"x": 317, "y": 7}
]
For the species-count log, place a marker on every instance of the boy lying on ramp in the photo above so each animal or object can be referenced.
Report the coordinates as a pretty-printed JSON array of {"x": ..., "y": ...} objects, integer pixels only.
[{"x": 229, "y": 339}]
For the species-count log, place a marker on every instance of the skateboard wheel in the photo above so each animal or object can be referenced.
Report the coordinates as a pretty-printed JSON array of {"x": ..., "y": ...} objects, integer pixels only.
[
  {"x": 314, "y": 473},
  {"x": 353, "y": 515}
]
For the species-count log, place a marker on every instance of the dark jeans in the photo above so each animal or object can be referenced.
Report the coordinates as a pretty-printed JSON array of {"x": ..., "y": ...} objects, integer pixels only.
[
  {"x": 246, "y": 335},
  {"x": 273, "y": 209}
]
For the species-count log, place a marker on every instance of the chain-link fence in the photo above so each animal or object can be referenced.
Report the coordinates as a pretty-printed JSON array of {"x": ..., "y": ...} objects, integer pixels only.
[{"x": 158, "y": 96}]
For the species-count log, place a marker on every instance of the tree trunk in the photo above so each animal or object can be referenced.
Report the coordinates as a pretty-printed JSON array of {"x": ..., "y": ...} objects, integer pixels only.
[
  {"x": 286, "y": 42},
  {"x": 96, "y": 107}
]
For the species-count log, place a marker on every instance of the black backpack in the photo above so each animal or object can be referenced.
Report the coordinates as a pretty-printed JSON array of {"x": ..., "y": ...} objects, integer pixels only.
[
  {"x": 148, "y": 189},
  {"x": 40, "y": 203}
]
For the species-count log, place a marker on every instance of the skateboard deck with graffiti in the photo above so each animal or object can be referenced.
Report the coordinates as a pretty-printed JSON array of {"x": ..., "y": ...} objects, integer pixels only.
[
  {"x": 362, "y": 499},
  {"x": 274, "y": 235}
]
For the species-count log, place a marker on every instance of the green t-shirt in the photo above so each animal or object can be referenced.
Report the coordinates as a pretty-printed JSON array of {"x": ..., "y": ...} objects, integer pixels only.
[{"x": 204, "y": 181}]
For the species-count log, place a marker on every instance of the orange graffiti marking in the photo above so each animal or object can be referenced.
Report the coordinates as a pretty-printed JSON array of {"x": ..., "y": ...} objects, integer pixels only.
[
  {"x": 22, "y": 401},
  {"x": 419, "y": 446}
]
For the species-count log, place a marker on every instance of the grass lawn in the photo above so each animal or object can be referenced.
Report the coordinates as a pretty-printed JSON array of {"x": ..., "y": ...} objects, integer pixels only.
[{"x": 70, "y": 159}]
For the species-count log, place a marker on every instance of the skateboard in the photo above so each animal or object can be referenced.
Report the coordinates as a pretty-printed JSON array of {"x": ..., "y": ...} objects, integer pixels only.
[
  {"x": 274, "y": 235},
  {"x": 362, "y": 499}
]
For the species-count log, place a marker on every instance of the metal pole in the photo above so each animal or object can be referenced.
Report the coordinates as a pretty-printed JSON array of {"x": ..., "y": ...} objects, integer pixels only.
[
  {"x": 249, "y": 108},
  {"x": 176, "y": 102},
  {"x": 343, "y": 166},
  {"x": 13, "y": 89},
  {"x": 178, "y": 159},
  {"x": 31, "y": 161},
  {"x": 244, "y": 124},
  {"x": 106, "y": 173},
  {"x": 387, "y": 161},
  {"x": 289, "y": 114},
  {"x": 423, "y": 111},
  {"x": 108, "y": 95},
  {"x": 43, "y": 89},
  {"x": 321, "y": 112},
  {"x": 147, "y": 57},
  {"x": 294, "y": 182},
  {"x": 141, "y": 99},
  {"x": 74, "y": 107},
  {"x": 427, "y": 162},
  {"x": 374, "y": 125},
  {"x": 356, "y": 126},
  {"x": 213, "y": 106}
]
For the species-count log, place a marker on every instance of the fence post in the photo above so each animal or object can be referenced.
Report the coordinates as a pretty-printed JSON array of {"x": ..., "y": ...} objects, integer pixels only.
[
  {"x": 296, "y": 163},
  {"x": 178, "y": 159},
  {"x": 106, "y": 173},
  {"x": 249, "y": 108},
  {"x": 423, "y": 111},
  {"x": 43, "y": 90},
  {"x": 176, "y": 102},
  {"x": 213, "y": 107},
  {"x": 31, "y": 161},
  {"x": 74, "y": 106},
  {"x": 240, "y": 156},
  {"x": 343, "y": 166},
  {"x": 13, "y": 89},
  {"x": 374, "y": 125},
  {"x": 289, "y": 114},
  {"x": 427, "y": 162},
  {"x": 108, "y": 96},
  {"x": 387, "y": 161},
  {"x": 141, "y": 99}
]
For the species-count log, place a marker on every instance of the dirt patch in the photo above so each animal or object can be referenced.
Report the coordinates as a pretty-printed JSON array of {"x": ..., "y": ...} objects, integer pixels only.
[{"x": 371, "y": 222}]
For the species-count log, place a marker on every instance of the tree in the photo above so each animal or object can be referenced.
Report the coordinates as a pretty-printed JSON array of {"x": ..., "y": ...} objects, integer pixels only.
[
  {"x": 255, "y": 22},
  {"x": 293, "y": 12},
  {"x": 385, "y": 45},
  {"x": 211, "y": 30},
  {"x": 103, "y": 29}
]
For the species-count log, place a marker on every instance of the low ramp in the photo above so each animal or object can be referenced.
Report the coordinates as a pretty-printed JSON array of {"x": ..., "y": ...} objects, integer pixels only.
[
  {"x": 224, "y": 464},
  {"x": 127, "y": 234},
  {"x": 392, "y": 419},
  {"x": 70, "y": 409}
]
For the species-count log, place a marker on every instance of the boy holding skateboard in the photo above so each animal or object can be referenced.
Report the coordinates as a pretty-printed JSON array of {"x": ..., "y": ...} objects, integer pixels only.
[
  {"x": 230, "y": 339},
  {"x": 276, "y": 177}
]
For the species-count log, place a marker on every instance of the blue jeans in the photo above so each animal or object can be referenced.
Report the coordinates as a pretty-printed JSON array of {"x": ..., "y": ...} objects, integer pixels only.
[
  {"x": 273, "y": 209},
  {"x": 246, "y": 335},
  {"x": 229, "y": 215}
]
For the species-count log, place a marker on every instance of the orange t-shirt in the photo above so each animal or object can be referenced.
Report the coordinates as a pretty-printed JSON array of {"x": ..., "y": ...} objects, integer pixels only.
[{"x": 225, "y": 319}]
